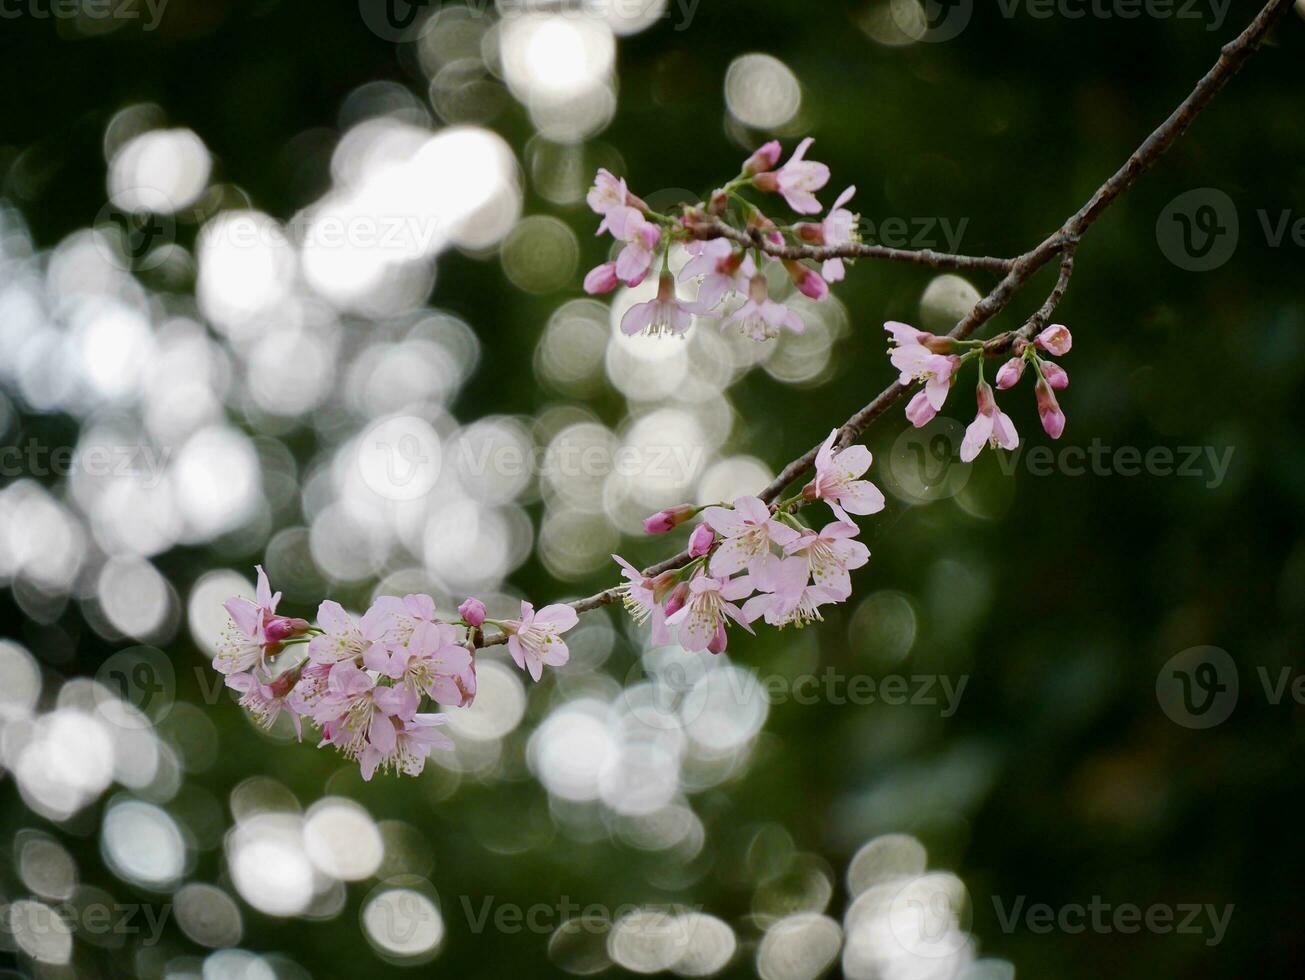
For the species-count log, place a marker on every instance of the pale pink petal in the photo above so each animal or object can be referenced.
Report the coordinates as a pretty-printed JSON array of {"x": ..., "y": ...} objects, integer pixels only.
[
  {"x": 1003, "y": 430},
  {"x": 919, "y": 410},
  {"x": 245, "y": 615},
  {"x": 559, "y": 615},
  {"x": 332, "y": 617},
  {"x": 638, "y": 318},
  {"x": 723, "y": 520},
  {"x": 854, "y": 460},
  {"x": 976, "y": 437},
  {"x": 733, "y": 555}
]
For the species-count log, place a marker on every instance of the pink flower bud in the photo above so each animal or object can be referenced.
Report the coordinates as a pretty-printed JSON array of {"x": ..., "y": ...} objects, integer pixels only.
[
  {"x": 679, "y": 596},
  {"x": 1055, "y": 339},
  {"x": 808, "y": 281},
  {"x": 280, "y": 628},
  {"x": 810, "y": 232},
  {"x": 602, "y": 279},
  {"x": 1055, "y": 375},
  {"x": 1053, "y": 419},
  {"x": 671, "y": 517},
  {"x": 701, "y": 540},
  {"x": 472, "y": 612},
  {"x": 1010, "y": 373},
  {"x": 764, "y": 159}
]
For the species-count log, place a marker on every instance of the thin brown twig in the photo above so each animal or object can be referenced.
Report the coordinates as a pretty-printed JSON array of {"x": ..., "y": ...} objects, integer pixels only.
[
  {"x": 716, "y": 228},
  {"x": 1017, "y": 272}
]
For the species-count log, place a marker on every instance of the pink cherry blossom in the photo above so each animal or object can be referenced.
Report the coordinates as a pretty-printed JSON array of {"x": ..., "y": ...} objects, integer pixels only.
[
  {"x": 915, "y": 357},
  {"x": 255, "y": 631},
  {"x": 342, "y": 639},
  {"x": 608, "y": 192},
  {"x": 701, "y": 620},
  {"x": 761, "y": 318},
  {"x": 748, "y": 530},
  {"x": 838, "y": 482},
  {"x": 1056, "y": 375},
  {"x": 787, "y": 596},
  {"x": 838, "y": 228},
  {"x": 797, "y": 181},
  {"x": 414, "y": 740},
  {"x": 535, "y": 639},
  {"x": 1055, "y": 339},
  {"x": 722, "y": 267},
  {"x": 991, "y": 426},
  {"x": 1010, "y": 373},
  {"x": 643, "y": 597},
  {"x": 642, "y": 238},
  {"x": 665, "y": 314},
  {"x": 612, "y": 199},
  {"x": 266, "y": 700},
  {"x": 1053, "y": 419},
  {"x": 239, "y": 650},
  {"x": 831, "y": 554},
  {"x": 356, "y": 713},
  {"x": 428, "y": 659}
]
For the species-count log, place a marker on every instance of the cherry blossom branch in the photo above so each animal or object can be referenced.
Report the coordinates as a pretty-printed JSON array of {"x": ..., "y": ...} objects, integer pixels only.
[
  {"x": 715, "y": 228},
  {"x": 1016, "y": 273}
]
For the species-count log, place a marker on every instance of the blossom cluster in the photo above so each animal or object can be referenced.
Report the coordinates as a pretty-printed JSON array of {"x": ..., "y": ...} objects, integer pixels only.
[
  {"x": 751, "y": 561},
  {"x": 364, "y": 683},
  {"x": 720, "y": 267},
  {"x": 924, "y": 357}
]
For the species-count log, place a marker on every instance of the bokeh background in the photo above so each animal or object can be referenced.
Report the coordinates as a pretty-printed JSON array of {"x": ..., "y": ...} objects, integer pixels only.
[{"x": 298, "y": 283}]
